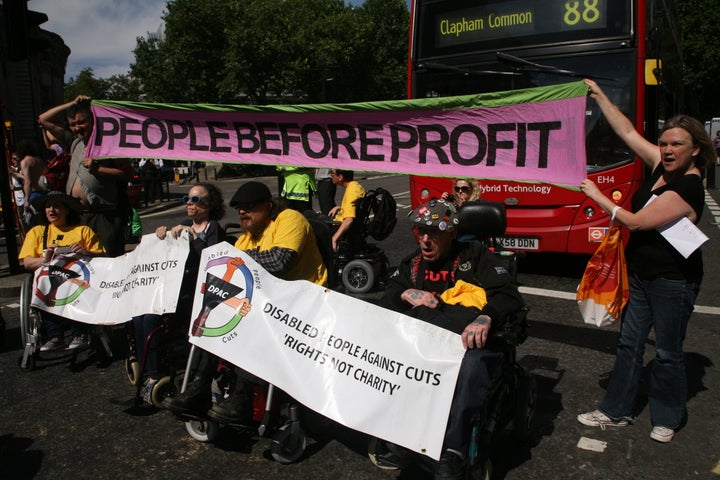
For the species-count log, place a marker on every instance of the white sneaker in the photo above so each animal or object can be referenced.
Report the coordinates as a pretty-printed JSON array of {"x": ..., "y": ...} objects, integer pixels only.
[
  {"x": 662, "y": 434},
  {"x": 81, "y": 341},
  {"x": 53, "y": 344},
  {"x": 596, "y": 418}
]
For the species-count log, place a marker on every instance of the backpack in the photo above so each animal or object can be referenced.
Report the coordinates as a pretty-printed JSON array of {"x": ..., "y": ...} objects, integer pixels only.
[
  {"x": 56, "y": 172},
  {"x": 380, "y": 211}
]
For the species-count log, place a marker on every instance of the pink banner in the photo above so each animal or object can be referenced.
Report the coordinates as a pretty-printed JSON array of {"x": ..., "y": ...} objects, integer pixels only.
[{"x": 542, "y": 141}]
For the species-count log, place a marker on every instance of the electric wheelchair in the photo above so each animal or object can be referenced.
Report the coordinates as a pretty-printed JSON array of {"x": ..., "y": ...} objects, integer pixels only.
[
  {"x": 510, "y": 406},
  {"x": 359, "y": 265}
]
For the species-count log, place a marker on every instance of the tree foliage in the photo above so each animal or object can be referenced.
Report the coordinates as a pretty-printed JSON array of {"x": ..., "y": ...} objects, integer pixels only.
[
  {"x": 186, "y": 64},
  {"x": 117, "y": 87},
  {"x": 700, "y": 26},
  {"x": 384, "y": 38},
  {"x": 275, "y": 51}
]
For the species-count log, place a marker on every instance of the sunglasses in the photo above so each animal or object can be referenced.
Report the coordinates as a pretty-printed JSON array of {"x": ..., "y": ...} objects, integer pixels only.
[
  {"x": 247, "y": 207},
  {"x": 464, "y": 189},
  {"x": 429, "y": 231},
  {"x": 194, "y": 199}
]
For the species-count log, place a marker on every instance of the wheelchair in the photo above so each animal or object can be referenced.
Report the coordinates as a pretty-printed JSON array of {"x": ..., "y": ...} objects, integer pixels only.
[
  {"x": 357, "y": 265},
  {"x": 274, "y": 415},
  {"x": 510, "y": 405},
  {"x": 169, "y": 343},
  {"x": 164, "y": 338},
  {"x": 32, "y": 335}
]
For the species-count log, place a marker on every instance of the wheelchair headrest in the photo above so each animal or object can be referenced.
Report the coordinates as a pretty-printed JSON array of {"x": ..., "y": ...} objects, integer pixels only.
[{"x": 481, "y": 219}]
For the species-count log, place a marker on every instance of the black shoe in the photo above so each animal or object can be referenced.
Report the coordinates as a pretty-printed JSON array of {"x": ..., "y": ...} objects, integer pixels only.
[
  {"x": 385, "y": 455},
  {"x": 235, "y": 409},
  {"x": 450, "y": 467},
  {"x": 196, "y": 398}
]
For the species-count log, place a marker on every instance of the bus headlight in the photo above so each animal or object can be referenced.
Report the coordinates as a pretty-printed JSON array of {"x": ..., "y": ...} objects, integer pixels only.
[
  {"x": 589, "y": 212},
  {"x": 424, "y": 194}
]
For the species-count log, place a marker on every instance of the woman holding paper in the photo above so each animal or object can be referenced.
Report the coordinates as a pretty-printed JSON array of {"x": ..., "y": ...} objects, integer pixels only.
[{"x": 663, "y": 282}]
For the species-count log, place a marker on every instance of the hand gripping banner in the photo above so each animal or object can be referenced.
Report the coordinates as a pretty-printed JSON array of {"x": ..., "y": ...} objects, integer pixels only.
[
  {"x": 370, "y": 369},
  {"x": 531, "y": 135}
]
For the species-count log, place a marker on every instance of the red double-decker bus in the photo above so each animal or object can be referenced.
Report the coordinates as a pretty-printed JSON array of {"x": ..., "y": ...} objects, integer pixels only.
[{"x": 630, "y": 47}]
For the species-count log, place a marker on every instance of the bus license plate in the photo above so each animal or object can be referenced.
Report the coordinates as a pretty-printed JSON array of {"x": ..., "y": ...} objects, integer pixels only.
[{"x": 519, "y": 243}]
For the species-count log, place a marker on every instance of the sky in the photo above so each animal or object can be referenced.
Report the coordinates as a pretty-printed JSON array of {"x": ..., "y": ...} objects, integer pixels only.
[{"x": 102, "y": 33}]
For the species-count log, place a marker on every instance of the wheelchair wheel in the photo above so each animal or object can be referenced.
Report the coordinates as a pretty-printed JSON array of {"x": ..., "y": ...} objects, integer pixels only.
[
  {"x": 358, "y": 276},
  {"x": 202, "y": 430},
  {"x": 288, "y": 443},
  {"x": 162, "y": 389},
  {"x": 132, "y": 369},
  {"x": 29, "y": 317},
  {"x": 524, "y": 414}
]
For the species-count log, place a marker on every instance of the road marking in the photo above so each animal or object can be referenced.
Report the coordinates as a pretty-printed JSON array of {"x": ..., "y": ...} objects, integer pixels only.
[
  {"x": 714, "y": 209},
  {"x": 541, "y": 292}
]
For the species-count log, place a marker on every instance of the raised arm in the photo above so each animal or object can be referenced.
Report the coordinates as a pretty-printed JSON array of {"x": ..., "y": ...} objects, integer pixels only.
[
  {"x": 623, "y": 127},
  {"x": 53, "y": 120}
]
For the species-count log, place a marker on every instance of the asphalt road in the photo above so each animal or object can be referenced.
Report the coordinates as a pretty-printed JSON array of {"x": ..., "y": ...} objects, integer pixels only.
[{"x": 78, "y": 422}]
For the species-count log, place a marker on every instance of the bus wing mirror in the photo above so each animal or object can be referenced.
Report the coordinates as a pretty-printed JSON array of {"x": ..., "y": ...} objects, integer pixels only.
[{"x": 653, "y": 71}]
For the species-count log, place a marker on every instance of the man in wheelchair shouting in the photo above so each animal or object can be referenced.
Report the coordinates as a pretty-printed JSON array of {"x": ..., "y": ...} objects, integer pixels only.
[{"x": 464, "y": 288}]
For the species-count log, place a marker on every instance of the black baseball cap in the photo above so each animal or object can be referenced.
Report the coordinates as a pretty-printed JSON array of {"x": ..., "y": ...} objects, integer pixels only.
[{"x": 251, "y": 193}]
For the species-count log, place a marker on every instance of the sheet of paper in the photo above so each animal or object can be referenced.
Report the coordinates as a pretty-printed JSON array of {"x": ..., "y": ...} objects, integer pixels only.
[
  {"x": 682, "y": 234},
  {"x": 592, "y": 444}
]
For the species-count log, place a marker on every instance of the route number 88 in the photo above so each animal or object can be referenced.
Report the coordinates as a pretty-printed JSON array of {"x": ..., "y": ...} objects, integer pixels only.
[{"x": 588, "y": 14}]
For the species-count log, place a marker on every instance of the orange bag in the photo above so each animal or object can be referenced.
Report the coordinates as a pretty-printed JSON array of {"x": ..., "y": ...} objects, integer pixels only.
[{"x": 604, "y": 288}]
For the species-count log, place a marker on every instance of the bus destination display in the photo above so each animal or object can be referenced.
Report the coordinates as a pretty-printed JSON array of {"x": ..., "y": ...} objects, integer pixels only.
[{"x": 498, "y": 20}]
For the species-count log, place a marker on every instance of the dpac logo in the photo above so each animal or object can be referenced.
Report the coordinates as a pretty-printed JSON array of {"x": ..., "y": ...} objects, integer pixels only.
[
  {"x": 64, "y": 271},
  {"x": 217, "y": 290}
]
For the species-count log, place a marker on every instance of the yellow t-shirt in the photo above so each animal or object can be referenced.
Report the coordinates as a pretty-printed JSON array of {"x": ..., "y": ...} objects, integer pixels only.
[
  {"x": 291, "y": 230},
  {"x": 62, "y": 236},
  {"x": 353, "y": 192}
]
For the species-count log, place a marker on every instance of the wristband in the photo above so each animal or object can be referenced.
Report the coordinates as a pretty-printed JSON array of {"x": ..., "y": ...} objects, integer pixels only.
[{"x": 614, "y": 211}]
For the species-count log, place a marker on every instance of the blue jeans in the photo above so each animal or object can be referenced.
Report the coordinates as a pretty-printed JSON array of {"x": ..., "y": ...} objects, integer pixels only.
[
  {"x": 471, "y": 391},
  {"x": 55, "y": 325},
  {"x": 142, "y": 326},
  {"x": 664, "y": 305}
]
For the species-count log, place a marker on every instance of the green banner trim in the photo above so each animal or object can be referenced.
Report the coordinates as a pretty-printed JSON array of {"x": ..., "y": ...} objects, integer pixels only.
[{"x": 494, "y": 99}]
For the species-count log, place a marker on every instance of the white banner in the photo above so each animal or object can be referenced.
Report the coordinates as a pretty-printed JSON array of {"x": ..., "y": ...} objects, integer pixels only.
[
  {"x": 109, "y": 291},
  {"x": 368, "y": 368}
]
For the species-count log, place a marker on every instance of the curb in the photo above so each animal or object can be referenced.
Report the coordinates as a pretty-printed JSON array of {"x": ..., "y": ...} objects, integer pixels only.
[
  {"x": 161, "y": 206},
  {"x": 10, "y": 287},
  {"x": 9, "y": 293}
]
